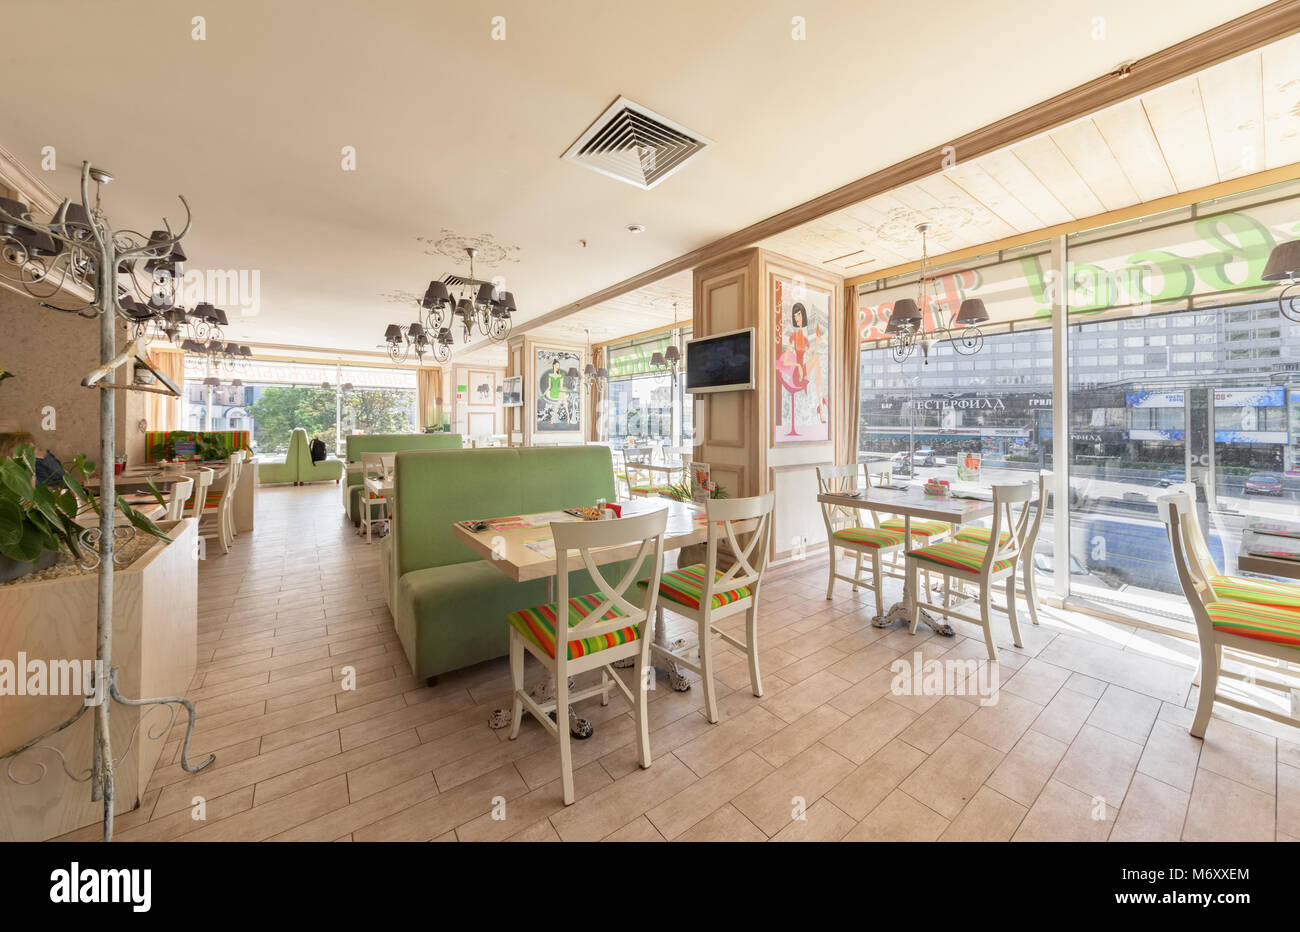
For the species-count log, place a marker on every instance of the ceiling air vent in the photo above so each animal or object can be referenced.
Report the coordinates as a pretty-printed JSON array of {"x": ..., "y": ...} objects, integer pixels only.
[{"x": 636, "y": 145}]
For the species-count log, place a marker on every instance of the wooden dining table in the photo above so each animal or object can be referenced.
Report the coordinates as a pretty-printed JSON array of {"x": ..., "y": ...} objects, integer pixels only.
[
  {"x": 137, "y": 478},
  {"x": 522, "y": 548},
  {"x": 1256, "y": 544},
  {"x": 961, "y": 505}
]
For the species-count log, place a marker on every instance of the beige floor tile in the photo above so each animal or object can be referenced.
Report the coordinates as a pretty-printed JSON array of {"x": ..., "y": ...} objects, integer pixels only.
[
  {"x": 795, "y": 785},
  {"x": 1065, "y": 714},
  {"x": 869, "y": 730},
  {"x": 1152, "y": 811},
  {"x": 280, "y": 815},
  {"x": 899, "y": 818},
  {"x": 613, "y": 806},
  {"x": 728, "y": 739},
  {"x": 950, "y": 776},
  {"x": 1171, "y": 755},
  {"x": 1036, "y": 681},
  {"x": 793, "y": 738},
  {"x": 867, "y": 786},
  {"x": 521, "y": 813},
  {"x": 813, "y": 691},
  {"x": 1125, "y": 713},
  {"x": 989, "y": 816},
  {"x": 1225, "y": 810},
  {"x": 678, "y": 813},
  {"x": 1099, "y": 764},
  {"x": 937, "y": 723},
  {"x": 1288, "y": 799},
  {"x": 440, "y": 814},
  {"x": 1062, "y": 813},
  {"x": 822, "y": 822},
  {"x": 1000, "y": 725},
  {"x": 1025, "y": 770},
  {"x": 637, "y": 830},
  {"x": 1240, "y": 754},
  {"x": 726, "y": 824}
]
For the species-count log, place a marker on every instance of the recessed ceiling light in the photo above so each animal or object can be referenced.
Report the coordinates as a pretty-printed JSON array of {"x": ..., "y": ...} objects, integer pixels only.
[{"x": 635, "y": 228}]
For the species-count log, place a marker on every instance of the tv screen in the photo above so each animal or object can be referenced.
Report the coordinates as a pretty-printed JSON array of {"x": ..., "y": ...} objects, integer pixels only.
[
  {"x": 723, "y": 362},
  {"x": 512, "y": 391}
]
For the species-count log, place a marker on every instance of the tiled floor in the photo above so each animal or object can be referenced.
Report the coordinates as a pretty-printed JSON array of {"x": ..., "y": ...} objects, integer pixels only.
[{"x": 1087, "y": 739}]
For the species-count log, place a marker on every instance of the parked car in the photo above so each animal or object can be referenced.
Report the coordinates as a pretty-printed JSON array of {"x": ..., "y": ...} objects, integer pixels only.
[
  {"x": 1173, "y": 477},
  {"x": 1263, "y": 483},
  {"x": 925, "y": 457}
]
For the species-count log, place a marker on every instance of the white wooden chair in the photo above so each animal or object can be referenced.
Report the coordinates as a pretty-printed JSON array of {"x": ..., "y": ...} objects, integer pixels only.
[
  {"x": 844, "y": 532},
  {"x": 982, "y": 565},
  {"x": 235, "y": 477},
  {"x": 980, "y": 535},
  {"x": 1254, "y": 616},
  {"x": 707, "y": 595},
  {"x": 641, "y": 482},
  {"x": 202, "y": 482},
  {"x": 597, "y": 630},
  {"x": 181, "y": 491},
  {"x": 374, "y": 465},
  {"x": 214, "y": 507}
]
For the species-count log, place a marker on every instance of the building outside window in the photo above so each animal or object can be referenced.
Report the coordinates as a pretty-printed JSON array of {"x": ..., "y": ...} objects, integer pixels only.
[{"x": 646, "y": 404}]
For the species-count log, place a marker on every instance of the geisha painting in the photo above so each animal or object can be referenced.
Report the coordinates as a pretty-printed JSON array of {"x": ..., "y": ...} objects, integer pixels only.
[{"x": 802, "y": 326}]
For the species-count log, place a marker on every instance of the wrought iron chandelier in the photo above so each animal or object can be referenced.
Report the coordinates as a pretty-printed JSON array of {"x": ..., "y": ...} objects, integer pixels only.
[
  {"x": 906, "y": 325},
  {"x": 671, "y": 357},
  {"x": 477, "y": 304},
  {"x": 590, "y": 374},
  {"x": 198, "y": 332},
  {"x": 1284, "y": 266}
]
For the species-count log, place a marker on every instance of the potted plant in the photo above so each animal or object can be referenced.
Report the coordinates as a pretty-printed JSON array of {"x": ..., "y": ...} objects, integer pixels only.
[{"x": 40, "y": 501}]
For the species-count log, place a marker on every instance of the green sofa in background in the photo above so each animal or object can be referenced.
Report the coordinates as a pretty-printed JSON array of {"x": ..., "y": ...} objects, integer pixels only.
[
  {"x": 449, "y": 606},
  {"x": 386, "y": 443},
  {"x": 298, "y": 467}
]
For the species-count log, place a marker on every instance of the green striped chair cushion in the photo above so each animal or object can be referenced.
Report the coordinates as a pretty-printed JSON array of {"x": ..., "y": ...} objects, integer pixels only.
[
  {"x": 920, "y": 527},
  {"x": 975, "y": 534},
  {"x": 650, "y": 489},
  {"x": 538, "y": 625},
  {"x": 873, "y": 537},
  {"x": 1259, "y": 622},
  {"x": 686, "y": 585},
  {"x": 960, "y": 555},
  {"x": 1257, "y": 591},
  {"x": 213, "y": 499}
]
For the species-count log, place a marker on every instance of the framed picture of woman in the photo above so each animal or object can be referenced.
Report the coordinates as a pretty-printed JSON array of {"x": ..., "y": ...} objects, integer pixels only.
[{"x": 801, "y": 408}]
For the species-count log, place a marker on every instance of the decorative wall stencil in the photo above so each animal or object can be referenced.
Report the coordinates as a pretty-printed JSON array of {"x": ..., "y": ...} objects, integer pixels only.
[
  {"x": 801, "y": 321},
  {"x": 899, "y": 228},
  {"x": 397, "y": 296},
  {"x": 453, "y": 245},
  {"x": 559, "y": 392}
]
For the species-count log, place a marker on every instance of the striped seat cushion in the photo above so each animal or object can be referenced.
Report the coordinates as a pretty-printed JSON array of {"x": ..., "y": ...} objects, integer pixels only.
[
  {"x": 1256, "y": 591},
  {"x": 975, "y": 534},
  {"x": 1259, "y": 622},
  {"x": 686, "y": 585},
  {"x": 920, "y": 527},
  {"x": 650, "y": 489},
  {"x": 213, "y": 499},
  {"x": 874, "y": 537},
  {"x": 959, "y": 555},
  {"x": 538, "y": 625}
]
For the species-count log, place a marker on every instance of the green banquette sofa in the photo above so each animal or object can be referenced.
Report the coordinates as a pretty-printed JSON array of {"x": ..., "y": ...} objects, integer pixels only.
[
  {"x": 450, "y": 606},
  {"x": 386, "y": 443},
  {"x": 297, "y": 466}
]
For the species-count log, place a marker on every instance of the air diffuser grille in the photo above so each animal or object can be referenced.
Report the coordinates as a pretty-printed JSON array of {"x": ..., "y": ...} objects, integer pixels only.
[{"x": 636, "y": 145}]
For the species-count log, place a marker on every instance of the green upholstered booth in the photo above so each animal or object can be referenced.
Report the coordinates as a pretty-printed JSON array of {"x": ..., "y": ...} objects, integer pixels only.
[
  {"x": 288, "y": 470},
  {"x": 448, "y": 605},
  {"x": 386, "y": 443},
  {"x": 324, "y": 471}
]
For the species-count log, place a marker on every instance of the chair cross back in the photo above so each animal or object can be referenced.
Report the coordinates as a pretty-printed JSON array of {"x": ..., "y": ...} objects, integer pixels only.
[
  {"x": 836, "y": 480},
  {"x": 751, "y": 559},
  {"x": 1006, "y": 518},
  {"x": 585, "y": 536}
]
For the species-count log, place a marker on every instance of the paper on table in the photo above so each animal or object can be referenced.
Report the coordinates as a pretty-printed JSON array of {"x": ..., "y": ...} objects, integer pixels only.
[{"x": 543, "y": 546}]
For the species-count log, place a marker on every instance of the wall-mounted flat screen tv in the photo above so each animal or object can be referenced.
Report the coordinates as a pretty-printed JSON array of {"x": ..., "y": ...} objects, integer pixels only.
[
  {"x": 722, "y": 362},
  {"x": 512, "y": 391}
]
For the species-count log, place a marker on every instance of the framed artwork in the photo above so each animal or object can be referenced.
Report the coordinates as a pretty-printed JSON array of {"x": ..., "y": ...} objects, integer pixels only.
[
  {"x": 482, "y": 424},
  {"x": 482, "y": 387},
  {"x": 702, "y": 485},
  {"x": 801, "y": 408},
  {"x": 559, "y": 395}
]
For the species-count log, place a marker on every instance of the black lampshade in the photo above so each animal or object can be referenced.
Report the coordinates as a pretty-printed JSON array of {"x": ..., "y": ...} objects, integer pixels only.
[
  {"x": 15, "y": 209},
  {"x": 573, "y": 372},
  {"x": 672, "y": 354},
  {"x": 465, "y": 308},
  {"x": 435, "y": 296},
  {"x": 37, "y": 243},
  {"x": 219, "y": 317},
  {"x": 972, "y": 311},
  {"x": 416, "y": 330},
  {"x": 485, "y": 294},
  {"x": 444, "y": 336},
  {"x": 192, "y": 346},
  {"x": 75, "y": 220},
  {"x": 246, "y": 351},
  {"x": 1283, "y": 263},
  {"x": 906, "y": 311},
  {"x": 507, "y": 302},
  {"x": 656, "y": 358},
  {"x": 393, "y": 333},
  {"x": 203, "y": 311},
  {"x": 589, "y": 371}
]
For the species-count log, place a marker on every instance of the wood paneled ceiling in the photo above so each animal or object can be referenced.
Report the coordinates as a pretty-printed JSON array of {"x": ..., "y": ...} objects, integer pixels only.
[{"x": 1229, "y": 121}]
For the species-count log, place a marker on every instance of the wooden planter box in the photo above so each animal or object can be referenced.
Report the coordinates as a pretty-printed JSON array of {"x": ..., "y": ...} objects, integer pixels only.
[{"x": 155, "y": 616}]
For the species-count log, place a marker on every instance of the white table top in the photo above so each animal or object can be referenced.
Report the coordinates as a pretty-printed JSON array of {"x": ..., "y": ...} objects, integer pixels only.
[
  {"x": 1254, "y": 563},
  {"x": 379, "y": 485},
  {"x": 526, "y": 553},
  {"x": 914, "y": 503}
]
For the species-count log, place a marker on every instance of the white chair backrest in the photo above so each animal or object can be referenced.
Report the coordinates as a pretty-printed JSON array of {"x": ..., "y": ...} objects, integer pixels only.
[
  {"x": 835, "y": 480},
  {"x": 1175, "y": 509},
  {"x": 1191, "y": 543},
  {"x": 377, "y": 464},
  {"x": 1006, "y": 517},
  {"x": 235, "y": 472},
  {"x": 1031, "y": 535},
  {"x": 202, "y": 482},
  {"x": 585, "y": 536},
  {"x": 181, "y": 491},
  {"x": 723, "y": 514}
]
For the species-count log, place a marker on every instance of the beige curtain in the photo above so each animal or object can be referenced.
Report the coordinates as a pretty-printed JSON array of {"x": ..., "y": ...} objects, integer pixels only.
[
  {"x": 428, "y": 381},
  {"x": 596, "y": 430},
  {"x": 164, "y": 412},
  {"x": 846, "y": 380}
]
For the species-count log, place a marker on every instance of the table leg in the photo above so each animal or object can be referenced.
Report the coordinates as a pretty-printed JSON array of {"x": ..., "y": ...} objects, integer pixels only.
[
  {"x": 902, "y": 611},
  {"x": 544, "y": 691}
]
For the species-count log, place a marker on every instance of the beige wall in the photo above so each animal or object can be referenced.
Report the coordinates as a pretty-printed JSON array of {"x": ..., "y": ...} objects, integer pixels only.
[
  {"x": 466, "y": 406},
  {"x": 50, "y": 353}
]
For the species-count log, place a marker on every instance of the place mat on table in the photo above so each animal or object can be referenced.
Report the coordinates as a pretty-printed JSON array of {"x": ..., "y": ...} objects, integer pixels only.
[
  {"x": 975, "y": 495},
  {"x": 1280, "y": 548},
  {"x": 1275, "y": 529}
]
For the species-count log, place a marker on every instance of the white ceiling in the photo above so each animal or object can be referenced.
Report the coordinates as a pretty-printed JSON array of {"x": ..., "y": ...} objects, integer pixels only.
[
  {"x": 1232, "y": 120},
  {"x": 459, "y": 135}
]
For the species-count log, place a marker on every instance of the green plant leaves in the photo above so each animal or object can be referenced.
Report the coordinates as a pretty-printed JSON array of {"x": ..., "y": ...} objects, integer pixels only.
[
  {"x": 11, "y": 523},
  {"x": 140, "y": 521}
]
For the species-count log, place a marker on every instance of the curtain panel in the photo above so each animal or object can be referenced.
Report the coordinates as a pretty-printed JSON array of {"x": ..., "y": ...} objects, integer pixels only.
[
  {"x": 164, "y": 412},
  {"x": 428, "y": 384},
  {"x": 847, "y": 378}
]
